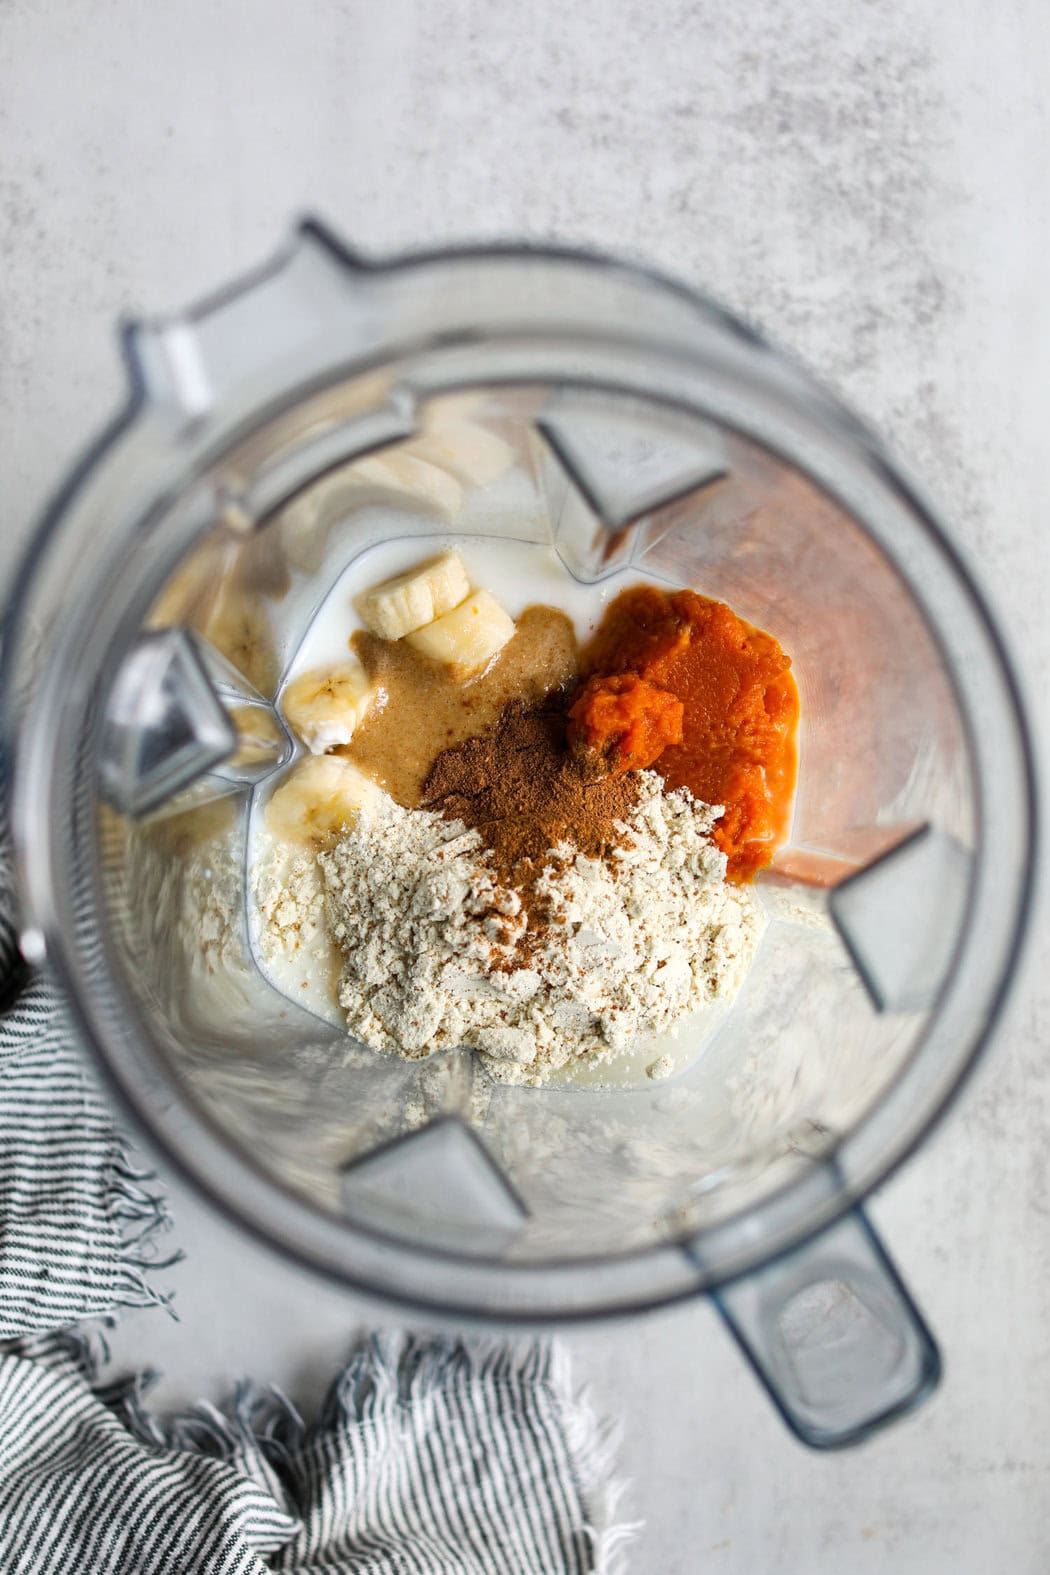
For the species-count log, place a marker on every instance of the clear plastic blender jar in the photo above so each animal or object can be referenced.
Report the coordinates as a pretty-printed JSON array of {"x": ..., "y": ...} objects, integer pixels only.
[{"x": 159, "y": 604}]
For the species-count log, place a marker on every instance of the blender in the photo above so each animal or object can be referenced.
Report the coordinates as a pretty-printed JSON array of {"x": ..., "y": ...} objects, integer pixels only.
[{"x": 154, "y": 614}]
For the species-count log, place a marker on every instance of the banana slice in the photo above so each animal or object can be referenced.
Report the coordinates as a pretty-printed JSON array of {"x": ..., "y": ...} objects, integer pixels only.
[
  {"x": 408, "y": 601},
  {"x": 324, "y": 706},
  {"x": 414, "y": 477},
  {"x": 190, "y": 594},
  {"x": 321, "y": 795},
  {"x": 469, "y": 636},
  {"x": 260, "y": 737},
  {"x": 239, "y": 627},
  {"x": 396, "y": 479},
  {"x": 471, "y": 453},
  {"x": 225, "y": 593}
]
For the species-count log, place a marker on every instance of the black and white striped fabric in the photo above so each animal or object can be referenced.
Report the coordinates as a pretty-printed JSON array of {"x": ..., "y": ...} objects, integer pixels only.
[
  {"x": 430, "y": 1458},
  {"x": 78, "y": 1221}
]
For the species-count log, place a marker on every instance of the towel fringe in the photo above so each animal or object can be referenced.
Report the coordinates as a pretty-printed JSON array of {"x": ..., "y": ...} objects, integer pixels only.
[
  {"x": 393, "y": 1369},
  {"x": 594, "y": 1444},
  {"x": 140, "y": 1214}
]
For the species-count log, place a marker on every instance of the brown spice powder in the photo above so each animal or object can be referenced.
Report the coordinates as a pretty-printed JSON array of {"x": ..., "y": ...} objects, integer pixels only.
[{"x": 521, "y": 788}]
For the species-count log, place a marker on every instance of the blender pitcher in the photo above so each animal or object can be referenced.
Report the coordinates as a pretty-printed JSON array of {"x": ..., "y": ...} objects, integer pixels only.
[{"x": 629, "y": 425}]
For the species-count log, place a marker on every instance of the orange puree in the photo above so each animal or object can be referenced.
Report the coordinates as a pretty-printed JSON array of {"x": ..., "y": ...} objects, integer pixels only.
[
  {"x": 625, "y": 721},
  {"x": 740, "y": 710}
]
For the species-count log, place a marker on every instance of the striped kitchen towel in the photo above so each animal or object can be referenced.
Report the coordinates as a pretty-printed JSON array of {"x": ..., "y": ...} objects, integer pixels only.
[
  {"x": 78, "y": 1221},
  {"x": 429, "y": 1458}
]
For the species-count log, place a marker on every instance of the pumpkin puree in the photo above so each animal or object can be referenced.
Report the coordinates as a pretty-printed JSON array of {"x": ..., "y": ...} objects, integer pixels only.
[
  {"x": 737, "y": 739},
  {"x": 625, "y": 721}
]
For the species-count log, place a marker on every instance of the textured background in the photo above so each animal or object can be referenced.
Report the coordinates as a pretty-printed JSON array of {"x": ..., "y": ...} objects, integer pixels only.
[{"x": 867, "y": 181}]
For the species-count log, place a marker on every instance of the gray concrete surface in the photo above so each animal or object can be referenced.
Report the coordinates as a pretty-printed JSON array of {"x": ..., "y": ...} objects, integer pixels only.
[{"x": 869, "y": 182}]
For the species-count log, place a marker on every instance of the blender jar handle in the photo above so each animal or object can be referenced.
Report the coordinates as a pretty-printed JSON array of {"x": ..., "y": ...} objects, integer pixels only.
[{"x": 834, "y": 1335}]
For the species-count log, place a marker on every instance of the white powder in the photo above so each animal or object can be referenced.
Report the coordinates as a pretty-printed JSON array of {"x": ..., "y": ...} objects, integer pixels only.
[
  {"x": 290, "y": 895},
  {"x": 429, "y": 938},
  {"x": 290, "y": 934}
]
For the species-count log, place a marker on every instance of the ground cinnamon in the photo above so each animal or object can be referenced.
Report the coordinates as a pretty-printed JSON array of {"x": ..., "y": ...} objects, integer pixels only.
[{"x": 521, "y": 788}]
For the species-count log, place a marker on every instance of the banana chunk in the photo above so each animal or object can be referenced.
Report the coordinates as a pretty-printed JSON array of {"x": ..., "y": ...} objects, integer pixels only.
[
  {"x": 411, "y": 477},
  {"x": 324, "y": 706},
  {"x": 392, "y": 479},
  {"x": 320, "y": 795},
  {"x": 469, "y": 636},
  {"x": 408, "y": 601},
  {"x": 465, "y": 450}
]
